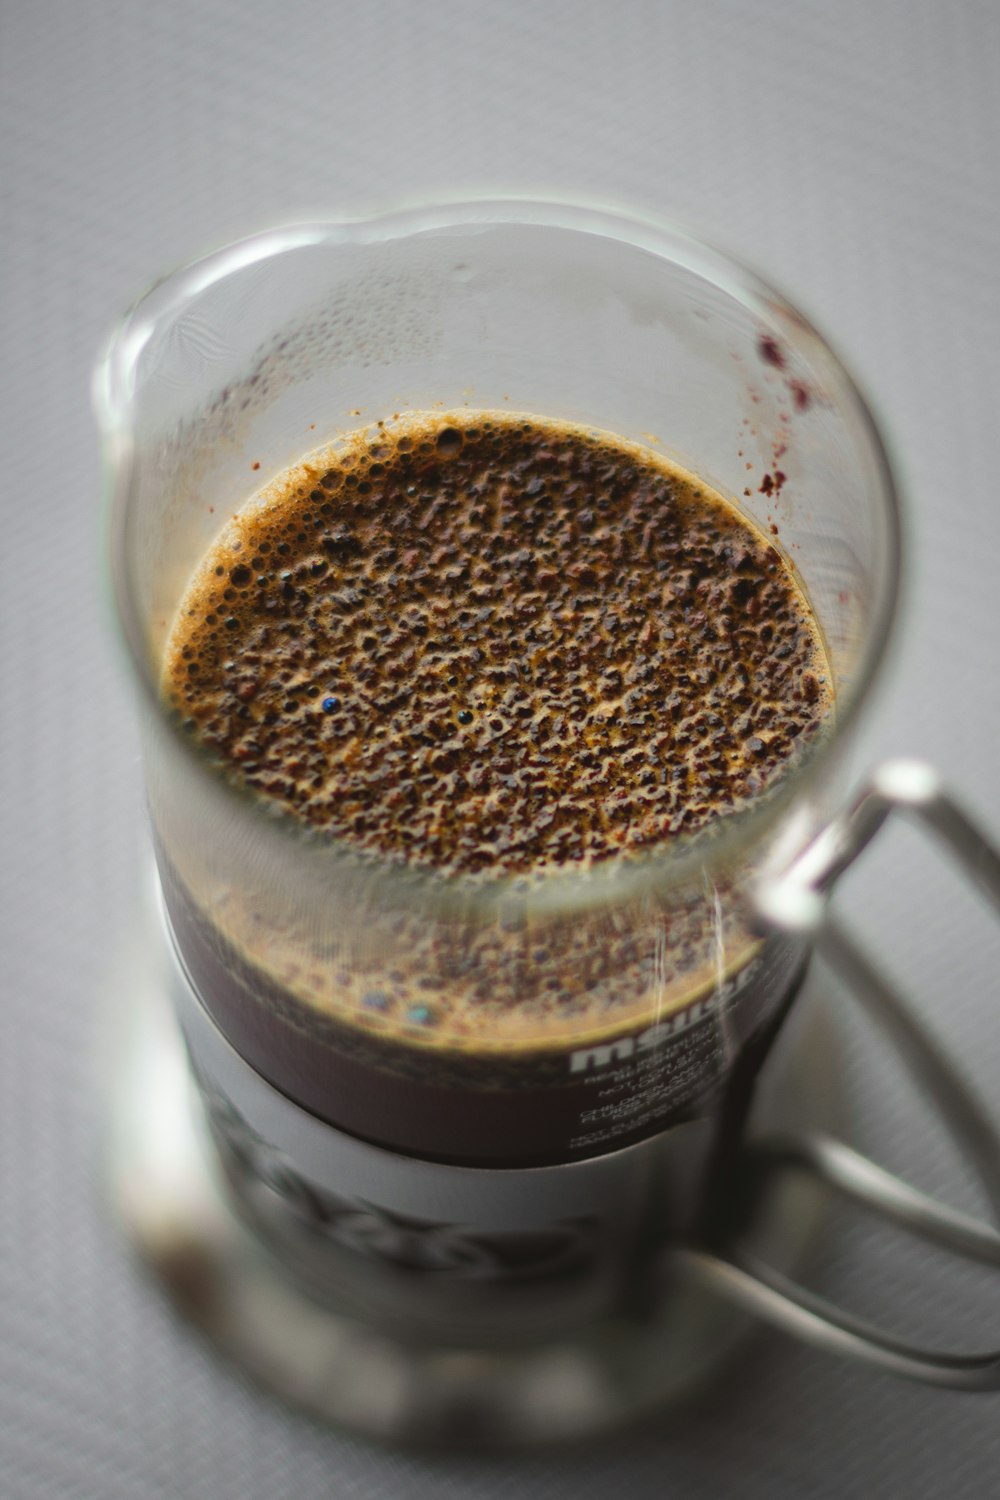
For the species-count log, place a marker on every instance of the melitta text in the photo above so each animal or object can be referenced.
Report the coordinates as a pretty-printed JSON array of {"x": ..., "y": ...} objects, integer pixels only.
[{"x": 661, "y": 1032}]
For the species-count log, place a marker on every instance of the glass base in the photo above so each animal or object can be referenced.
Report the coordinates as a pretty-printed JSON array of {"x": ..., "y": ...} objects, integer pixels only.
[{"x": 169, "y": 1191}]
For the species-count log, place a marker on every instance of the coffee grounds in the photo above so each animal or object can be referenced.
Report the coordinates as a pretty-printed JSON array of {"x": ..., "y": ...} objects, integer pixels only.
[{"x": 492, "y": 644}]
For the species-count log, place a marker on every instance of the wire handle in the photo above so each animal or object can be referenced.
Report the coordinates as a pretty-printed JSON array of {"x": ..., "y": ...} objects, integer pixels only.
[{"x": 796, "y": 902}]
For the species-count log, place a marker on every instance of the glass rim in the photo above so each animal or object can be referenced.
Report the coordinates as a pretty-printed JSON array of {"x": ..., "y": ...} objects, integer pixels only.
[{"x": 675, "y": 862}]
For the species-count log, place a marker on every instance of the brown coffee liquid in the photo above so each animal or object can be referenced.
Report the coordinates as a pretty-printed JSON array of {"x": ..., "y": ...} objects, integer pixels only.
[{"x": 487, "y": 644}]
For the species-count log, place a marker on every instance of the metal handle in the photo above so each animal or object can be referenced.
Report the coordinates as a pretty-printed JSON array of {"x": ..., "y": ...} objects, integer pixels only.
[{"x": 797, "y": 903}]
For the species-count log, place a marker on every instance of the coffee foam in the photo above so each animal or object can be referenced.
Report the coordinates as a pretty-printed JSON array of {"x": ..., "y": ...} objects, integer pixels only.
[{"x": 491, "y": 644}]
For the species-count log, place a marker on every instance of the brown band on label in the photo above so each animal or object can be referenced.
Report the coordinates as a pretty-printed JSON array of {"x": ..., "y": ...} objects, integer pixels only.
[{"x": 530, "y": 1109}]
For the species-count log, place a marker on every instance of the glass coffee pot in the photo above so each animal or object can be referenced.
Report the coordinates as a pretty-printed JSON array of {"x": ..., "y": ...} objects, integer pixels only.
[{"x": 513, "y": 1252}]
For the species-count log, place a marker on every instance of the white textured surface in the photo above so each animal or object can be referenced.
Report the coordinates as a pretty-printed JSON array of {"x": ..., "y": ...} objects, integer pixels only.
[{"x": 850, "y": 151}]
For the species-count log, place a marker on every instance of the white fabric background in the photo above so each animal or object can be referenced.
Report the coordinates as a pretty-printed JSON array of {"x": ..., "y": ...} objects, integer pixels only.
[{"x": 848, "y": 150}]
